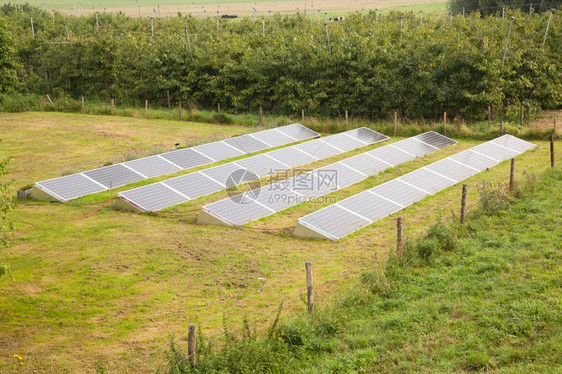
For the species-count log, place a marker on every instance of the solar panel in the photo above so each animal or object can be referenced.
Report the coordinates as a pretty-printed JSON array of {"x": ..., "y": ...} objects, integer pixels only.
[
  {"x": 114, "y": 175},
  {"x": 345, "y": 217},
  {"x": 260, "y": 165},
  {"x": 70, "y": 186},
  {"x": 64, "y": 188},
  {"x": 152, "y": 166},
  {"x": 292, "y": 191}
]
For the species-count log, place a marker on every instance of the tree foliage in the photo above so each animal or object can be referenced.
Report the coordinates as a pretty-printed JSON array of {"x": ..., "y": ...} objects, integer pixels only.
[
  {"x": 376, "y": 66},
  {"x": 486, "y": 7},
  {"x": 8, "y": 66}
]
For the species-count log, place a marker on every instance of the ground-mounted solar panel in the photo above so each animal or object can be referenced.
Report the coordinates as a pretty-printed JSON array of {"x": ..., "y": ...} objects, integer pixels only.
[
  {"x": 378, "y": 202},
  {"x": 187, "y": 158},
  {"x": 152, "y": 166},
  {"x": 114, "y": 175},
  {"x": 415, "y": 147},
  {"x": 292, "y": 191},
  {"x": 297, "y": 131},
  {"x": 70, "y": 187},
  {"x": 64, "y": 188},
  {"x": 255, "y": 167}
]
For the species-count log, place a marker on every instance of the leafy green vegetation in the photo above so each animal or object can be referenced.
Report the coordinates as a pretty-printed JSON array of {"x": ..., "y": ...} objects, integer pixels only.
[
  {"x": 479, "y": 296},
  {"x": 8, "y": 65},
  {"x": 487, "y": 7},
  {"x": 371, "y": 67},
  {"x": 5, "y": 208}
]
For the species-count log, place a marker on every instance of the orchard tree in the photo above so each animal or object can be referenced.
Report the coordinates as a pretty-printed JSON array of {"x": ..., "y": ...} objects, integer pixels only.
[
  {"x": 486, "y": 7},
  {"x": 8, "y": 65}
]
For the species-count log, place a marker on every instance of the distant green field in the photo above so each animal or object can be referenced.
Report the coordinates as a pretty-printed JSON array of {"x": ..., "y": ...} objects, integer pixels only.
[{"x": 86, "y": 4}]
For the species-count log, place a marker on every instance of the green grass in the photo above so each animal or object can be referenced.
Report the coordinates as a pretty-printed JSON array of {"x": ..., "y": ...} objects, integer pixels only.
[
  {"x": 489, "y": 301},
  {"x": 107, "y": 290}
]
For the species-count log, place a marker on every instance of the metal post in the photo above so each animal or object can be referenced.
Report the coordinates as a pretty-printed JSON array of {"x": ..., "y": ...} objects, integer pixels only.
[
  {"x": 450, "y": 18},
  {"x": 53, "y": 12},
  {"x": 152, "y": 26},
  {"x": 507, "y": 40},
  {"x": 32, "y": 28},
  {"x": 547, "y": 26},
  {"x": 328, "y": 38},
  {"x": 421, "y": 17},
  {"x": 188, "y": 41},
  {"x": 263, "y": 26},
  {"x": 67, "y": 33},
  {"x": 97, "y": 22},
  {"x": 401, "y": 21}
]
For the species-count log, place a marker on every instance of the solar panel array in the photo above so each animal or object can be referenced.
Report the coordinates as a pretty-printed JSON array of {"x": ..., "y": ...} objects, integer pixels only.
[
  {"x": 349, "y": 215},
  {"x": 187, "y": 187},
  {"x": 97, "y": 180},
  {"x": 282, "y": 195}
]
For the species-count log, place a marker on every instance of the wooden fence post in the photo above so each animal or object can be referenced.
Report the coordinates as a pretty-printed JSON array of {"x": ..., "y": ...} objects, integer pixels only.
[
  {"x": 261, "y": 116},
  {"x": 444, "y": 123},
  {"x": 501, "y": 124},
  {"x": 219, "y": 112},
  {"x": 395, "y": 122},
  {"x": 309, "y": 292},
  {"x": 83, "y": 105},
  {"x": 146, "y": 108},
  {"x": 521, "y": 115},
  {"x": 191, "y": 345},
  {"x": 112, "y": 105},
  {"x": 552, "y": 150},
  {"x": 168, "y": 97},
  {"x": 51, "y": 102},
  {"x": 346, "y": 121},
  {"x": 511, "y": 174},
  {"x": 399, "y": 243},
  {"x": 489, "y": 116},
  {"x": 179, "y": 109},
  {"x": 463, "y": 202}
]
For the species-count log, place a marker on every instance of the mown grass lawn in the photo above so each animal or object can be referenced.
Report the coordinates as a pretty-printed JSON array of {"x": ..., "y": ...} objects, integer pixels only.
[{"x": 107, "y": 291}]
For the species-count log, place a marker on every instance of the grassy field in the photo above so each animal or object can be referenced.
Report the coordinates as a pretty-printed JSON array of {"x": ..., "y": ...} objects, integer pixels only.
[
  {"x": 106, "y": 292},
  {"x": 238, "y": 7},
  {"x": 484, "y": 297}
]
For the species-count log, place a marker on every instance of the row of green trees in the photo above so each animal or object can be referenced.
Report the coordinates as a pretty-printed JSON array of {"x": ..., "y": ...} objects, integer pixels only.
[
  {"x": 486, "y": 7},
  {"x": 372, "y": 65}
]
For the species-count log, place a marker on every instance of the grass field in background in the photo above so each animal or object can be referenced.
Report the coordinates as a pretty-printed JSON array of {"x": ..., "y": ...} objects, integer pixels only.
[
  {"x": 241, "y": 7},
  {"x": 107, "y": 291}
]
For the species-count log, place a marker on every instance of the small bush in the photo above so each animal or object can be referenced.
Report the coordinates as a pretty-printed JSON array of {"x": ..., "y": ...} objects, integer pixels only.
[
  {"x": 376, "y": 282},
  {"x": 493, "y": 198}
]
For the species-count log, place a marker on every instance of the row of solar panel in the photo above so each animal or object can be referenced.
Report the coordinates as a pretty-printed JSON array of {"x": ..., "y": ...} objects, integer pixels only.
[
  {"x": 97, "y": 180},
  {"x": 175, "y": 191},
  {"x": 349, "y": 215},
  {"x": 264, "y": 201}
]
